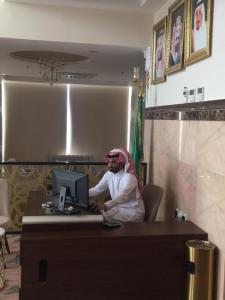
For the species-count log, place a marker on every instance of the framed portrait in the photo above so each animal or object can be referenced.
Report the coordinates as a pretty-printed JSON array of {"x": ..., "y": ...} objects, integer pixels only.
[
  {"x": 176, "y": 36},
  {"x": 159, "y": 51},
  {"x": 199, "y": 30}
]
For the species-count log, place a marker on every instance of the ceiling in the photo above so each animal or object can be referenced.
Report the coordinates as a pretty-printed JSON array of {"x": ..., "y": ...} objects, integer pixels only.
[
  {"x": 108, "y": 64},
  {"x": 123, "y": 5},
  {"x": 105, "y": 64}
]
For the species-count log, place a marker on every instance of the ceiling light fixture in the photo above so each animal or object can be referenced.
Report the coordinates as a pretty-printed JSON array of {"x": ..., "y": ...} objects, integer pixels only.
[{"x": 51, "y": 62}]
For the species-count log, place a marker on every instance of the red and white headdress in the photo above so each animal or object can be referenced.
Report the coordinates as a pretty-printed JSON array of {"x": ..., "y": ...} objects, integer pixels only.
[{"x": 122, "y": 156}]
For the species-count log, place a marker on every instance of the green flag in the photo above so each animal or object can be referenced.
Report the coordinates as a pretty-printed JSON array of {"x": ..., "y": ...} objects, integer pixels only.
[{"x": 137, "y": 148}]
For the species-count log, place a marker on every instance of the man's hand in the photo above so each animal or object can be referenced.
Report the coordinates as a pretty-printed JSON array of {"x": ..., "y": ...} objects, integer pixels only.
[{"x": 101, "y": 206}]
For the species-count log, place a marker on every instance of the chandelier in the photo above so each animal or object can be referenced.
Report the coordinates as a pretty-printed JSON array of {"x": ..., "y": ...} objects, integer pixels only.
[
  {"x": 51, "y": 63},
  {"x": 50, "y": 69}
]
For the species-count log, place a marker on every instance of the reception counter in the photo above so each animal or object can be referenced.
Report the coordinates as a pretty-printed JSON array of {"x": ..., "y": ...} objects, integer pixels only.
[{"x": 82, "y": 261}]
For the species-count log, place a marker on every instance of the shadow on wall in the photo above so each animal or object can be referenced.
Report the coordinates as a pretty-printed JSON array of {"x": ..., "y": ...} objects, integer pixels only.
[
  {"x": 218, "y": 257},
  {"x": 223, "y": 284},
  {"x": 170, "y": 202}
]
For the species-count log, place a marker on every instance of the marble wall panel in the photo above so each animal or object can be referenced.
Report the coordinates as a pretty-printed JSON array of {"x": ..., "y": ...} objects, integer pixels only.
[
  {"x": 185, "y": 187},
  {"x": 187, "y": 141},
  {"x": 163, "y": 176},
  {"x": 211, "y": 153},
  {"x": 165, "y": 138},
  {"x": 188, "y": 160}
]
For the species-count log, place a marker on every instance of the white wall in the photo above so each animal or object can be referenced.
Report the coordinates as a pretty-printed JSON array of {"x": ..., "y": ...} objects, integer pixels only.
[
  {"x": 209, "y": 72},
  {"x": 52, "y": 23}
]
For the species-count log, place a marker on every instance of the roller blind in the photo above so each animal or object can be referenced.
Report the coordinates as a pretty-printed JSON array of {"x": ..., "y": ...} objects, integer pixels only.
[
  {"x": 36, "y": 120},
  {"x": 99, "y": 119}
]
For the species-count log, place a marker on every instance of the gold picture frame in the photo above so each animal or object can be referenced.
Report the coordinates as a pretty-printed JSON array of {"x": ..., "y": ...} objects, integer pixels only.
[
  {"x": 159, "y": 51},
  {"x": 199, "y": 30},
  {"x": 176, "y": 36}
]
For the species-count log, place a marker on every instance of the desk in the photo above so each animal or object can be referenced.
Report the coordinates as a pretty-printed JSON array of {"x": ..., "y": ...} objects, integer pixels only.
[{"x": 138, "y": 261}]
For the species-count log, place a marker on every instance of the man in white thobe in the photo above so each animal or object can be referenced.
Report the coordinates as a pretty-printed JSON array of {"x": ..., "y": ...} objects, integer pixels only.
[{"x": 126, "y": 203}]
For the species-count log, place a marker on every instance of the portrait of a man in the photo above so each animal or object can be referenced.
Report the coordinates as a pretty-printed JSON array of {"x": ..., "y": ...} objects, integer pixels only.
[
  {"x": 199, "y": 31},
  {"x": 159, "y": 55},
  {"x": 159, "y": 48},
  {"x": 176, "y": 42},
  {"x": 199, "y": 28}
]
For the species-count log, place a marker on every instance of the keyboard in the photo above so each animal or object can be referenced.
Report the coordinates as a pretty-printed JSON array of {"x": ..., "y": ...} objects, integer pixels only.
[
  {"x": 112, "y": 224},
  {"x": 68, "y": 211}
]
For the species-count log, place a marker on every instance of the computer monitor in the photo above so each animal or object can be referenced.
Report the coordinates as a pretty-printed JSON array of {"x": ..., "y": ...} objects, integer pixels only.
[{"x": 76, "y": 186}]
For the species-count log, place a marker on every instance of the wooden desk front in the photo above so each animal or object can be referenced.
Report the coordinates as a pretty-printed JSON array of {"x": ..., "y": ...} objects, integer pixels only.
[{"x": 138, "y": 261}]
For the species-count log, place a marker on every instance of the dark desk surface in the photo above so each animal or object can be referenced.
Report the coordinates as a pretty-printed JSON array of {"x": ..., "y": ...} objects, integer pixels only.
[
  {"x": 35, "y": 200},
  {"x": 36, "y": 218},
  {"x": 157, "y": 229}
]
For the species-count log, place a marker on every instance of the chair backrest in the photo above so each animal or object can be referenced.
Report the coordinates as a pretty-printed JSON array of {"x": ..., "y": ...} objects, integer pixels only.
[{"x": 152, "y": 196}]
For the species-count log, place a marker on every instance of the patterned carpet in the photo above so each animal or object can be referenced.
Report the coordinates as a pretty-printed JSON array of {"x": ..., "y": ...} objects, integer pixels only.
[{"x": 12, "y": 260}]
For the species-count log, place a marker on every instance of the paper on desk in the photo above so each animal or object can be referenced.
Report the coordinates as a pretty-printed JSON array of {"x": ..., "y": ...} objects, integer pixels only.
[{"x": 62, "y": 219}]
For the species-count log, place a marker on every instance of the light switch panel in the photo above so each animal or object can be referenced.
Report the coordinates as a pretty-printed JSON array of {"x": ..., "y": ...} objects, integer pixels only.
[
  {"x": 200, "y": 94},
  {"x": 191, "y": 95}
]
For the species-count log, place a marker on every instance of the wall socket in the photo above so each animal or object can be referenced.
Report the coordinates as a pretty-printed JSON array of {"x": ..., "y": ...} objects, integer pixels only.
[
  {"x": 180, "y": 215},
  {"x": 185, "y": 94}
]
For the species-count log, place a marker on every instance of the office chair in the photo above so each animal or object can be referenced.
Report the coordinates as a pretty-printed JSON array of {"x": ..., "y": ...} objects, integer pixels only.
[
  {"x": 152, "y": 196},
  {"x": 4, "y": 207}
]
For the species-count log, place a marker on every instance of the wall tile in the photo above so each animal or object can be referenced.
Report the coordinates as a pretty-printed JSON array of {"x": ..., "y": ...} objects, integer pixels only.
[
  {"x": 187, "y": 141},
  {"x": 188, "y": 161},
  {"x": 211, "y": 153}
]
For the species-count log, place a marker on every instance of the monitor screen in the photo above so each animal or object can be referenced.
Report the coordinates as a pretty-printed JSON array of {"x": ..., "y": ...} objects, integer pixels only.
[{"x": 76, "y": 186}]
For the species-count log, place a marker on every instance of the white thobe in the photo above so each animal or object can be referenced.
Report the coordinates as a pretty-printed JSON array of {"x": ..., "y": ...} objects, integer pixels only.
[{"x": 126, "y": 204}]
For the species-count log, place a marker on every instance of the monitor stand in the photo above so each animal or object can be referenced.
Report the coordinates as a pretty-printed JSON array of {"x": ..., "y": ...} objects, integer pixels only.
[
  {"x": 69, "y": 200},
  {"x": 62, "y": 208},
  {"x": 62, "y": 198}
]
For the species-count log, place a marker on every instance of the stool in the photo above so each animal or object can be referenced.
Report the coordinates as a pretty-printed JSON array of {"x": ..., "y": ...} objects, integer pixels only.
[{"x": 2, "y": 257}]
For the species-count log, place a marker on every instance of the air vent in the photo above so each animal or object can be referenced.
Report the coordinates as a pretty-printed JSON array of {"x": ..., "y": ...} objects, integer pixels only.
[
  {"x": 69, "y": 75},
  {"x": 69, "y": 158}
]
